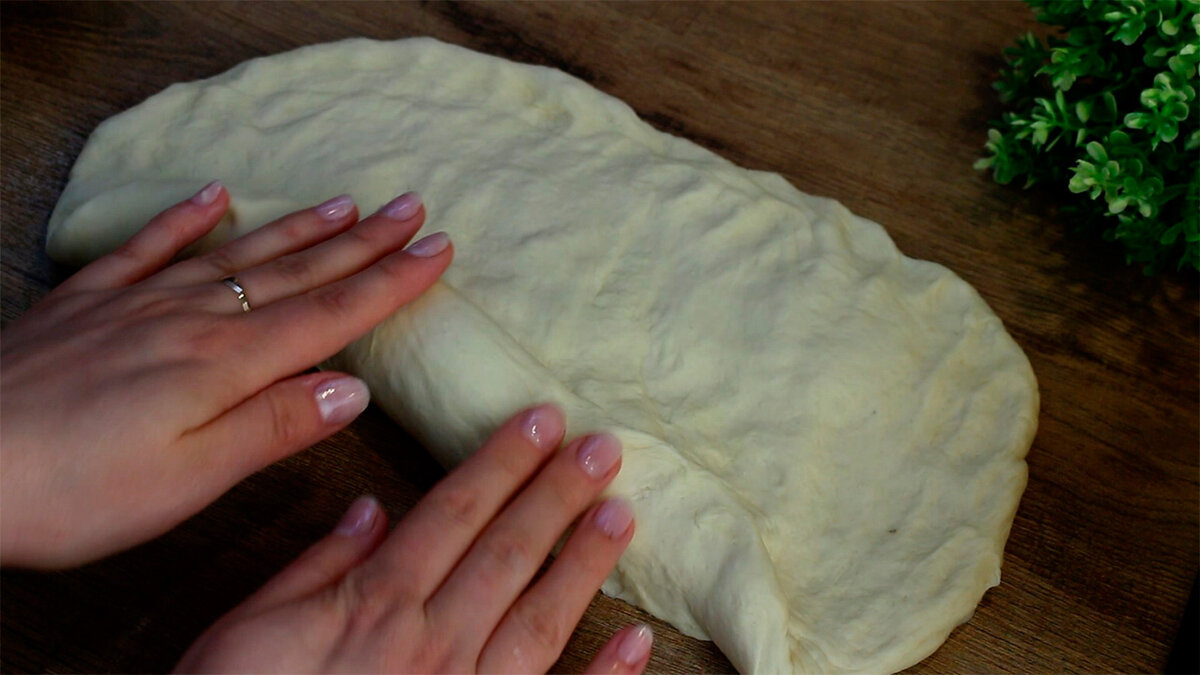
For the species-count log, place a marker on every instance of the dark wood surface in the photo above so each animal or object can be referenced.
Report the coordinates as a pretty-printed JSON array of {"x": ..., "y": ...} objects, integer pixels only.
[{"x": 881, "y": 105}]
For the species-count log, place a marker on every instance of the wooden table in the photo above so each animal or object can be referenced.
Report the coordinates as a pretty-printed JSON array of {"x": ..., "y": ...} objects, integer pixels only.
[{"x": 883, "y": 106}]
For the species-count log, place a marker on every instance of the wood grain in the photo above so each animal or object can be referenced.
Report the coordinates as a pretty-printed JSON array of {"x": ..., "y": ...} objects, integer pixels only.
[{"x": 881, "y": 105}]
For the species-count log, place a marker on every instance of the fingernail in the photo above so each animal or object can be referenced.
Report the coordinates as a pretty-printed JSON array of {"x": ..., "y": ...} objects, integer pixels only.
[
  {"x": 208, "y": 194},
  {"x": 359, "y": 518},
  {"x": 614, "y": 517},
  {"x": 429, "y": 246},
  {"x": 598, "y": 454},
  {"x": 635, "y": 645},
  {"x": 336, "y": 208},
  {"x": 342, "y": 399},
  {"x": 403, "y": 207},
  {"x": 543, "y": 426}
]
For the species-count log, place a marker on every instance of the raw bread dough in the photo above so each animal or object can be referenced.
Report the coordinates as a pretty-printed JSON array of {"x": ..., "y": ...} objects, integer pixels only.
[{"x": 824, "y": 439}]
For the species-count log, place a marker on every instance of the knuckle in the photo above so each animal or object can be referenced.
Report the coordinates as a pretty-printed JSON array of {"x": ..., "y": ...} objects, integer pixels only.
[
  {"x": 365, "y": 600},
  {"x": 365, "y": 236},
  {"x": 543, "y": 627},
  {"x": 130, "y": 250},
  {"x": 220, "y": 262},
  {"x": 205, "y": 336},
  {"x": 395, "y": 267},
  {"x": 287, "y": 423},
  {"x": 517, "y": 465},
  {"x": 568, "y": 494},
  {"x": 508, "y": 550},
  {"x": 295, "y": 228},
  {"x": 63, "y": 307},
  {"x": 368, "y": 600},
  {"x": 458, "y": 506},
  {"x": 151, "y": 304},
  {"x": 295, "y": 268},
  {"x": 335, "y": 300},
  {"x": 432, "y": 654}
]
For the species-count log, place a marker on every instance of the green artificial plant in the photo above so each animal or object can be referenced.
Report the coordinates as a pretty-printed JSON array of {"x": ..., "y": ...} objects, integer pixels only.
[{"x": 1108, "y": 109}]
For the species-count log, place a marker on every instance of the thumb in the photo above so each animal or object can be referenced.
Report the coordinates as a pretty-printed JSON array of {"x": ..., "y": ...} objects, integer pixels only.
[
  {"x": 278, "y": 421},
  {"x": 356, "y": 536},
  {"x": 248, "y": 638}
]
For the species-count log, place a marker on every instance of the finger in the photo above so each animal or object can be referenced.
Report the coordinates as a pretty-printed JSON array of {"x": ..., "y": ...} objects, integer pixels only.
[
  {"x": 627, "y": 653},
  {"x": 532, "y": 634},
  {"x": 278, "y": 421},
  {"x": 154, "y": 245},
  {"x": 501, "y": 562},
  {"x": 440, "y": 528},
  {"x": 292, "y": 232},
  {"x": 338, "y": 257},
  {"x": 356, "y": 536},
  {"x": 308, "y": 328}
]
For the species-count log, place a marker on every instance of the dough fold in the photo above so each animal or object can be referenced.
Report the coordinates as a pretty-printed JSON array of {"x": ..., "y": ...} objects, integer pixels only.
[
  {"x": 824, "y": 439},
  {"x": 464, "y": 371}
]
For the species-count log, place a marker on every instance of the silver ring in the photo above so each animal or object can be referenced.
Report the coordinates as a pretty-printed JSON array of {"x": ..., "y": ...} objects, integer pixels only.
[{"x": 234, "y": 286}]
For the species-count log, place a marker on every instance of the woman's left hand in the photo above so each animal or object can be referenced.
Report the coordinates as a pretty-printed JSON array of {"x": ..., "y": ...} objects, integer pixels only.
[{"x": 137, "y": 392}]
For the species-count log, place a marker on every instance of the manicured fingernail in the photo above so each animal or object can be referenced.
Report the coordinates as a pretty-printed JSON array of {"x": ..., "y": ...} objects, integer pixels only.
[
  {"x": 429, "y": 246},
  {"x": 598, "y": 454},
  {"x": 208, "y": 194},
  {"x": 635, "y": 645},
  {"x": 614, "y": 517},
  {"x": 342, "y": 399},
  {"x": 336, "y": 208},
  {"x": 543, "y": 426},
  {"x": 359, "y": 518},
  {"x": 403, "y": 207}
]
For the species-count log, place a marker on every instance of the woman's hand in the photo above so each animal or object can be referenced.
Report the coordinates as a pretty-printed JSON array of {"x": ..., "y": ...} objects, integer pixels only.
[
  {"x": 134, "y": 395},
  {"x": 449, "y": 589}
]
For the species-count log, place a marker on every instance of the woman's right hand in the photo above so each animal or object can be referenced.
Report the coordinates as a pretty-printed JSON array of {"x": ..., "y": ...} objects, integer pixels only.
[{"x": 449, "y": 589}]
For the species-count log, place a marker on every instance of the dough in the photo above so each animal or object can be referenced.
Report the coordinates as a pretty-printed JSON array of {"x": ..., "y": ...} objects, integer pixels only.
[{"x": 824, "y": 439}]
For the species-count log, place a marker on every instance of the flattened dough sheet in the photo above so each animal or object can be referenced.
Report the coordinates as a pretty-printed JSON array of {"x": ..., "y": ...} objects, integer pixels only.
[{"x": 824, "y": 439}]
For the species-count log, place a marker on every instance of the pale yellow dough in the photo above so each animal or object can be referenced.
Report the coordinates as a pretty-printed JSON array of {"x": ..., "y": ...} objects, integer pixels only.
[{"x": 824, "y": 439}]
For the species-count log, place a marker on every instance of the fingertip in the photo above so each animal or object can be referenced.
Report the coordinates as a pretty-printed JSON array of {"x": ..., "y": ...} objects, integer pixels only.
[
  {"x": 361, "y": 518},
  {"x": 337, "y": 210},
  {"x": 626, "y": 653},
  {"x": 198, "y": 215},
  {"x": 209, "y": 194},
  {"x": 154, "y": 245},
  {"x": 405, "y": 207},
  {"x": 543, "y": 425},
  {"x": 429, "y": 246},
  {"x": 341, "y": 399},
  {"x": 633, "y": 647},
  {"x": 614, "y": 518},
  {"x": 598, "y": 455}
]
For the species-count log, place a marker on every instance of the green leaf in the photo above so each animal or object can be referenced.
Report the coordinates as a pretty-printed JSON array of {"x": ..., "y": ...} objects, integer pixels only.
[
  {"x": 1137, "y": 120},
  {"x": 1083, "y": 110},
  {"x": 1110, "y": 104}
]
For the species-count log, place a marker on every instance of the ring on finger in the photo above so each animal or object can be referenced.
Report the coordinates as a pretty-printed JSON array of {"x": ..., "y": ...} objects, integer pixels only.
[{"x": 236, "y": 287}]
